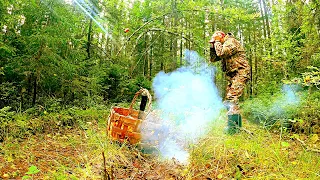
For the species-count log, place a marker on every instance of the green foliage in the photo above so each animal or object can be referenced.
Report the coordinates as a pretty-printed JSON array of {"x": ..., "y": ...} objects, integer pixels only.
[
  {"x": 276, "y": 111},
  {"x": 309, "y": 79},
  {"x": 44, "y": 47},
  {"x": 32, "y": 170},
  {"x": 45, "y": 64},
  {"x": 9, "y": 94},
  {"x": 239, "y": 156},
  {"x": 6, "y": 116},
  {"x": 267, "y": 109},
  {"x": 44, "y": 119},
  {"x": 312, "y": 78}
]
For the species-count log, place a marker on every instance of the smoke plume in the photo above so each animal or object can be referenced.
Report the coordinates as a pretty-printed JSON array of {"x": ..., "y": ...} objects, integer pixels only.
[
  {"x": 288, "y": 99},
  {"x": 187, "y": 100}
]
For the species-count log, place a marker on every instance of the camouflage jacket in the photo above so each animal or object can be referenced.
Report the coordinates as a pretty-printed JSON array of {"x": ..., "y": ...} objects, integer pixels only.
[{"x": 232, "y": 53}]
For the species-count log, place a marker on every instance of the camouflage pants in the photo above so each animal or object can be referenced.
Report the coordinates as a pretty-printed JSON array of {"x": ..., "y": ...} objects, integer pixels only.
[{"x": 235, "y": 87}]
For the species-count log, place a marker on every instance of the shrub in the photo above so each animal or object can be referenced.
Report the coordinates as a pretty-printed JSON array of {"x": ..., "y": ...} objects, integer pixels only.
[{"x": 279, "y": 111}]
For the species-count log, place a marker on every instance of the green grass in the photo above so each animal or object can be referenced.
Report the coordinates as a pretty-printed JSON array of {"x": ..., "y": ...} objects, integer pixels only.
[
  {"x": 76, "y": 153},
  {"x": 262, "y": 156}
]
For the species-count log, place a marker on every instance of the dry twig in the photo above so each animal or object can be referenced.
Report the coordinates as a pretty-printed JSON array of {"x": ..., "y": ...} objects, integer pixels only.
[{"x": 306, "y": 146}]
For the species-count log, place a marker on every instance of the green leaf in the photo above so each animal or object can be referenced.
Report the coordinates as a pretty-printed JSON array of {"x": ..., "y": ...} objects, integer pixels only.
[
  {"x": 33, "y": 170},
  {"x": 285, "y": 144},
  {"x": 295, "y": 136},
  {"x": 26, "y": 177},
  {"x": 314, "y": 138}
]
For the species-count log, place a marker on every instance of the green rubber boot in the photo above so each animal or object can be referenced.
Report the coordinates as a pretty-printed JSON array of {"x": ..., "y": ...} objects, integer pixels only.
[{"x": 234, "y": 123}]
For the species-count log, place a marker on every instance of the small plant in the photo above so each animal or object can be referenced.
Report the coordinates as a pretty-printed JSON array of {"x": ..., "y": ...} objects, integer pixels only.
[{"x": 32, "y": 170}]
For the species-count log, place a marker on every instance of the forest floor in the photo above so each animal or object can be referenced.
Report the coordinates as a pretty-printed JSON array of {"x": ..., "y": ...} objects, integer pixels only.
[{"x": 78, "y": 154}]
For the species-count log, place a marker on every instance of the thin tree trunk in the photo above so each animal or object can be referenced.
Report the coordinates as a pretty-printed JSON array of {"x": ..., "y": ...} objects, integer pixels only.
[
  {"x": 162, "y": 50},
  {"x": 181, "y": 49},
  {"x": 223, "y": 80},
  {"x": 255, "y": 77},
  {"x": 250, "y": 60},
  {"x": 151, "y": 60},
  {"x": 175, "y": 43},
  {"x": 266, "y": 18},
  {"x": 37, "y": 58},
  {"x": 263, "y": 20},
  {"x": 145, "y": 64},
  {"x": 34, "y": 91},
  {"x": 268, "y": 30},
  {"x": 29, "y": 88},
  {"x": 223, "y": 17},
  {"x": 204, "y": 35},
  {"x": 89, "y": 40},
  {"x": 189, "y": 36}
]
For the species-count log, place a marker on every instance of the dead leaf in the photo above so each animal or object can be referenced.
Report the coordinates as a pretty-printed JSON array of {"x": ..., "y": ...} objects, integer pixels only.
[
  {"x": 208, "y": 165},
  {"x": 247, "y": 154},
  {"x": 136, "y": 164},
  {"x": 314, "y": 138}
]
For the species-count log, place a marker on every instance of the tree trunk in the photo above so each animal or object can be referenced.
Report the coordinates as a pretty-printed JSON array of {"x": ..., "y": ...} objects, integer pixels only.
[
  {"x": 175, "y": 43},
  {"x": 36, "y": 74},
  {"x": 89, "y": 40},
  {"x": 181, "y": 50},
  {"x": 250, "y": 60},
  {"x": 151, "y": 60},
  {"x": 204, "y": 35},
  {"x": 266, "y": 18},
  {"x": 224, "y": 79},
  {"x": 145, "y": 64},
  {"x": 268, "y": 30},
  {"x": 263, "y": 20},
  {"x": 162, "y": 50},
  {"x": 255, "y": 77},
  {"x": 34, "y": 91},
  {"x": 223, "y": 17},
  {"x": 188, "y": 25}
]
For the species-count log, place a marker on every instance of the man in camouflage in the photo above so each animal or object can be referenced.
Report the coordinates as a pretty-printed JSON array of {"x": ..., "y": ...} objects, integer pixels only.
[{"x": 231, "y": 52}]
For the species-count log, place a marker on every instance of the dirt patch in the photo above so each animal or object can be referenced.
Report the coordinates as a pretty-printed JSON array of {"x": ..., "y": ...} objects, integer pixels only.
[
  {"x": 43, "y": 151},
  {"x": 70, "y": 155}
]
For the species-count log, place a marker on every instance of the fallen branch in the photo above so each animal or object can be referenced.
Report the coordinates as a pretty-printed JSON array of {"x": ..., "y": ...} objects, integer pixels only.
[
  {"x": 306, "y": 146},
  {"x": 247, "y": 131},
  {"x": 106, "y": 174}
]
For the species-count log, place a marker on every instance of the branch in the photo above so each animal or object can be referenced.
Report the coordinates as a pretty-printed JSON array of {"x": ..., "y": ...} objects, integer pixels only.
[
  {"x": 174, "y": 33},
  {"x": 165, "y": 14},
  {"x": 247, "y": 131},
  {"x": 306, "y": 146},
  {"x": 128, "y": 39},
  {"x": 169, "y": 32}
]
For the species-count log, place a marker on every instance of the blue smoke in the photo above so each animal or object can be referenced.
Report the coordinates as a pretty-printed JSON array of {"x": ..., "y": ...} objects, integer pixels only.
[
  {"x": 187, "y": 101},
  {"x": 290, "y": 94},
  {"x": 288, "y": 99}
]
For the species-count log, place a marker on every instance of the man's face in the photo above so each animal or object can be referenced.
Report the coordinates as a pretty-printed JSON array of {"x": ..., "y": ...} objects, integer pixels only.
[{"x": 217, "y": 36}]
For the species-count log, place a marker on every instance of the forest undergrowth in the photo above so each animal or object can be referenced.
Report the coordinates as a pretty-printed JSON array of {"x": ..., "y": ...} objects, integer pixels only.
[{"x": 83, "y": 151}]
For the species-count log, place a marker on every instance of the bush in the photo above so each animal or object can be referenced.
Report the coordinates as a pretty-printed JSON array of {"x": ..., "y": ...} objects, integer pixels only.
[
  {"x": 5, "y": 118},
  {"x": 38, "y": 120},
  {"x": 296, "y": 112},
  {"x": 9, "y": 95}
]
